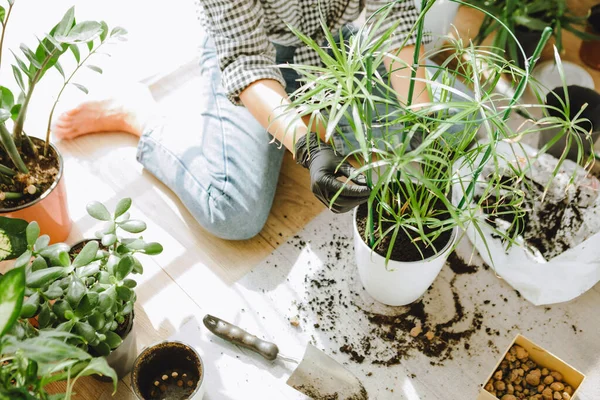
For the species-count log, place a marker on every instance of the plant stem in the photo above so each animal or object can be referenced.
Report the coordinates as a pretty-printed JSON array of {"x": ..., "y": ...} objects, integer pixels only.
[
  {"x": 12, "y": 195},
  {"x": 20, "y": 122},
  {"x": 413, "y": 73},
  {"x": 65, "y": 84},
  {"x": 369, "y": 131},
  {"x": 11, "y": 149},
  {"x": 4, "y": 23}
]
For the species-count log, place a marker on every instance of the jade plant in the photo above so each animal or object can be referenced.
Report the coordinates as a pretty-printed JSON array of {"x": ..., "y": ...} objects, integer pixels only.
[
  {"x": 416, "y": 167},
  {"x": 86, "y": 291},
  {"x": 31, "y": 359},
  {"x": 25, "y": 170}
]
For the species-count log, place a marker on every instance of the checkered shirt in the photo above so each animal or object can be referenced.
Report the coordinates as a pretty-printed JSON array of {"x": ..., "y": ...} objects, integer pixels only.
[{"x": 244, "y": 32}]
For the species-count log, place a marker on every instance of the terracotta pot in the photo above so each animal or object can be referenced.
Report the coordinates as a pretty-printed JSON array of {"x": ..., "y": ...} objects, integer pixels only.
[
  {"x": 590, "y": 49},
  {"x": 50, "y": 209},
  {"x": 168, "y": 369}
]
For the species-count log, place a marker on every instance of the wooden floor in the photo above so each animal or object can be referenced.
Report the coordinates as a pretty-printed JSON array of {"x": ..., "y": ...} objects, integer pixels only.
[{"x": 103, "y": 167}]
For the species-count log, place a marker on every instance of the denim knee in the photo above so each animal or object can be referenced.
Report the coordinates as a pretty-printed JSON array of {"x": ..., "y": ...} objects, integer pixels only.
[{"x": 231, "y": 219}]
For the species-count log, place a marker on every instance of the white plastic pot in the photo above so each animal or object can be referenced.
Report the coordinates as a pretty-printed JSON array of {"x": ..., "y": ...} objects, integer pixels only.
[{"x": 399, "y": 283}]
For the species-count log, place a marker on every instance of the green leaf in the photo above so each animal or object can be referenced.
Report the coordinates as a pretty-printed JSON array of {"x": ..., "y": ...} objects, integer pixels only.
[
  {"x": 113, "y": 340},
  {"x": 104, "y": 33},
  {"x": 88, "y": 270},
  {"x": 54, "y": 292},
  {"x": 85, "y": 330},
  {"x": 87, "y": 304},
  {"x": 109, "y": 240},
  {"x": 33, "y": 232},
  {"x": 64, "y": 26},
  {"x": 47, "y": 350},
  {"x": 97, "y": 320},
  {"x": 75, "y": 50},
  {"x": 59, "y": 67},
  {"x": 137, "y": 266},
  {"x": 124, "y": 293},
  {"x": 153, "y": 248},
  {"x": 82, "y": 32},
  {"x": 133, "y": 226},
  {"x": 38, "y": 263},
  {"x": 2, "y": 13},
  {"x": 44, "y": 277},
  {"x": 13, "y": 241},
  {"x": 41, "y": 243},
  {"x": 107, "y": 299},
  {"x": 52, "y": 252},
  {"x": 75, "y": 291},
  {"x": 23, "y": 259},
  {"x": 118, "y": 31},
  {"x": 122, "y": 206},
  {"x": 60, "y": 308},
  {"x": 14, "y": 112},
  {"x": 124, "y": 268},
  {"x": 7, "y": 99},
  {"x": 80, "y": 87},
  {"x": 30, "y": 306},
  {"x": 12, "y": 290},
  {"x": 18, "y": 77},
  {"x": 98, "y": 211},
  {"x": 130, "y": 283},
  {"x": 45, "y": 317},
  {"x": 95, "y": 68},
  {"x": 86, "y": 255},
  {"x": 102, "y": 349},
  {"x": 99, "y": 366}
]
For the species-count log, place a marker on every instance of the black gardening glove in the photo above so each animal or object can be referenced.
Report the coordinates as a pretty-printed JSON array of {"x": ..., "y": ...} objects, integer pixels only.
[{"x": 325, "y": 166}]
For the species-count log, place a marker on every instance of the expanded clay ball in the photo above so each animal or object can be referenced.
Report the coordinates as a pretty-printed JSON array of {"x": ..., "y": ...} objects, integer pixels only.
[{"x": 519, "y": 378}]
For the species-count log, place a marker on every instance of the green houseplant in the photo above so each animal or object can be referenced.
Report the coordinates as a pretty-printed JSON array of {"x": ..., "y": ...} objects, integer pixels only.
[
  {"x": 419, "y": 199},
  {"x": 31, "y": 168},
  {"x": 526, "y": 20},
  {"x": 32, "y": 359},
  {"x": 86, "y": 290}
]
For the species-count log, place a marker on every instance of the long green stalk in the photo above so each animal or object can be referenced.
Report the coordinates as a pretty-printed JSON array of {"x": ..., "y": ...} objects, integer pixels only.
[
  {"x": 4, "y": 23},
  {"x": 11, "y": 149},
  {"x": 415, "y": 66}
]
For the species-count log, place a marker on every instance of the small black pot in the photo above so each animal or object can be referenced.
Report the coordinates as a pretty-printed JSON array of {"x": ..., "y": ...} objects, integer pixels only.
[
  {"x": 169, "y": 369},
  {"x": 578, "y": 97}
]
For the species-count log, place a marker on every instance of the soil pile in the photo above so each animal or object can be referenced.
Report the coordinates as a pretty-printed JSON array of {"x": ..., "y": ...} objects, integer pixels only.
[{"x": 435, "y": 326}]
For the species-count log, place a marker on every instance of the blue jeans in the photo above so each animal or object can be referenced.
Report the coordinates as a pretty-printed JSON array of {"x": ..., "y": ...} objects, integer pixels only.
[{"x": 225, "y": 171}]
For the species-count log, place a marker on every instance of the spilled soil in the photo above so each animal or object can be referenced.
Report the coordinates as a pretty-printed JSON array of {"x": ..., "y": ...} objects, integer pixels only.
[{"x": 386, "y": 335}]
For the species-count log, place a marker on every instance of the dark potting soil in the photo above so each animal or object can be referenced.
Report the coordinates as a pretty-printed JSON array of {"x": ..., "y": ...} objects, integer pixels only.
[
  {"x": 43, "y": 171},
  {"x": 385, "y": 336},
  {"x": 407, "y": 247},
  {"x": 546, "y": 226}
]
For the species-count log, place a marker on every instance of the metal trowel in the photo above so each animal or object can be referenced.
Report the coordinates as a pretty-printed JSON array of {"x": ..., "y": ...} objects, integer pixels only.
[{"x": 317, "y": 375}]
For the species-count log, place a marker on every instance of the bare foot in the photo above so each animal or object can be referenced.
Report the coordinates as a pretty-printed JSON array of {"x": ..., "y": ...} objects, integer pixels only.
[{"x": 128, "y": 113}]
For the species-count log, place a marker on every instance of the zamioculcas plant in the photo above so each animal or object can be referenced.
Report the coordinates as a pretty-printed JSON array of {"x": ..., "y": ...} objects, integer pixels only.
[
  {"x": 413, "y": 154},
  {"x": 86, "y": 290},
  {"x": 31, "y": 168},
  {"x": 32, "y": 359}
]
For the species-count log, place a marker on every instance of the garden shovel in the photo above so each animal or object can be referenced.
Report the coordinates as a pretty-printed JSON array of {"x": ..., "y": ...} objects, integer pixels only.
[{"x": 317, "y": 375}]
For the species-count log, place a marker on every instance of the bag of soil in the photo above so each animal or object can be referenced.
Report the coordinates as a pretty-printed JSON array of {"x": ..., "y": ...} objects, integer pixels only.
[{"x": 557, "y": 258}]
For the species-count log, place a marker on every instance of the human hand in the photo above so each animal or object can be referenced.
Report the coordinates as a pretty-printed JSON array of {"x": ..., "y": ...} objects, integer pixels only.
[{"x": 325, "y": 166}]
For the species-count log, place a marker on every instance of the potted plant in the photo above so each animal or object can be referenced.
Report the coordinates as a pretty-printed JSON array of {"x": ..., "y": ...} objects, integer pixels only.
[
  {"x": 31, "y": 359},
  {"x": 526, "y": 20},
  {"x": 87, "y": 290},
  {"x": 168, "y": 369},
  {"x": 418, "y": 200},
  {"x": 31, "y": 169}
]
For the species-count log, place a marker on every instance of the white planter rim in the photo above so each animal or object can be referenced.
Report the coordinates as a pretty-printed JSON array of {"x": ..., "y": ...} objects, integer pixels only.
[{"x": 439, "y": 253}]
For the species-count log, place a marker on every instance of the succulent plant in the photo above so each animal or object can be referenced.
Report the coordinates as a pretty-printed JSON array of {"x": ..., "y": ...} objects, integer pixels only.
[{"x": 86, "y": 291}]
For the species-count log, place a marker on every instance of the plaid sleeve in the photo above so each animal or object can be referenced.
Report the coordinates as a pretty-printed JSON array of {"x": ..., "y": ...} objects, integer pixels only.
[
  {"x": 244, "y": 51},
  {"x": 404, "y": 14}
]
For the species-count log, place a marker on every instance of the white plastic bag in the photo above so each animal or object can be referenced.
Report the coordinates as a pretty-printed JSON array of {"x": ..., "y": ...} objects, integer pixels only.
[{"x": 560, "y": 279}]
